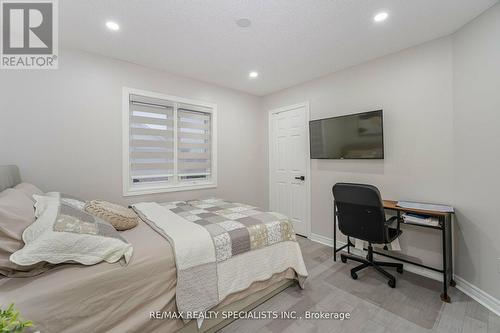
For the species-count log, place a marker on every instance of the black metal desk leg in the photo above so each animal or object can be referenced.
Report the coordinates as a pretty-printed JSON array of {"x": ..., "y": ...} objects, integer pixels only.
[
  {"x": 334, "y": 232},
  {"x": 450, "y": 247},
  {"x": 348, "y": 245},
  {"x": 444, "y": 295}
]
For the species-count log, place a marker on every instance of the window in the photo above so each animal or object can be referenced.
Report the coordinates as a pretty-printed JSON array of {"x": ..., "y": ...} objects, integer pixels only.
[{"x": 169, "y": 143}]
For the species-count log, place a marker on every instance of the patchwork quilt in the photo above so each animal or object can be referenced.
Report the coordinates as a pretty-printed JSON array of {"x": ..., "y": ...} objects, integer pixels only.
[
  {"x": 222, "y": 247},
  {"x": 235, "y": 228}
]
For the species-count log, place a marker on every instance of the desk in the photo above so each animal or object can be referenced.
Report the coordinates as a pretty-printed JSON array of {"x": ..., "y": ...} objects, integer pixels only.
[{"x": 444, "y": 226}]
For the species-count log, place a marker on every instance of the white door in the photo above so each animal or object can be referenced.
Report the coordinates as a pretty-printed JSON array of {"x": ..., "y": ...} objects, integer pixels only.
[{"x": 289, "y": 165}]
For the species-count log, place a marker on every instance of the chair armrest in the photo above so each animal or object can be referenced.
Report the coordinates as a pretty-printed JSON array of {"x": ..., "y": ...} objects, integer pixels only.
[{"x": 392, "y": 219}]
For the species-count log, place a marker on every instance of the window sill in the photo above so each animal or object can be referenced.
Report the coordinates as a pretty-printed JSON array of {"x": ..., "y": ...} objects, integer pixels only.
[{"x": 172, "y": 188}]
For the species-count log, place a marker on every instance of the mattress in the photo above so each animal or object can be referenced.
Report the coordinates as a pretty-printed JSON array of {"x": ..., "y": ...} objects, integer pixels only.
[{"x": 109, "y": 297}]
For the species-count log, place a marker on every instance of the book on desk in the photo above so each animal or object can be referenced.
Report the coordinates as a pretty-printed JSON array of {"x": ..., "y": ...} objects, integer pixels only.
[{"x": 411, "y": 218}]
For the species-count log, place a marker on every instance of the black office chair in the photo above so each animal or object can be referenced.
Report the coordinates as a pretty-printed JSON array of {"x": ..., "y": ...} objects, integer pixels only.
[{"x": 361, "y": 215}]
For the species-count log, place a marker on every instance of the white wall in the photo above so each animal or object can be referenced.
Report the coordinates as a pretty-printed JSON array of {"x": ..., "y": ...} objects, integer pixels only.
[
  {"x": 414, "y": 87},
  {"x": 63, "y": 128},
  {"x": 477, "y": 150},
  {"x": 441, "y": 104}
]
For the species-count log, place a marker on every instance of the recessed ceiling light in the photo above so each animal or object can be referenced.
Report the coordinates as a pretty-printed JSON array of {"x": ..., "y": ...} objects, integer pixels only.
[
  {"x": 112, "y": 26},
  {"x": 382, "y": 16},
  {"x": 243, "y": 22},
  {"x": 253, "y": 75}
]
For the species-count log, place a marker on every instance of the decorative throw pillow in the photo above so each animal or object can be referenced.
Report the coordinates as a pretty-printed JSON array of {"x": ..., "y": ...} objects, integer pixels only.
[
  {"x": 63, "y": 233},
  {"x": 120, "y": 217},
  {"x": 16, "y": 214}
]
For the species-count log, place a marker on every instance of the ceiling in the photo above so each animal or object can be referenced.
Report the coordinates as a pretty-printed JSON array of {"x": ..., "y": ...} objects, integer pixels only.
[{"x": 289, "y": 41}]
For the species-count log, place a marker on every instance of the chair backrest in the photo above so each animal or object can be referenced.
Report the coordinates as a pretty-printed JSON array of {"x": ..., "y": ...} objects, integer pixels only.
[{"x": 360, "y": 212}]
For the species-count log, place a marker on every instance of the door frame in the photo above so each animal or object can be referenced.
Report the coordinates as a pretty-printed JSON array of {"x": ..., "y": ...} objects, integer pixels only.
[{"x": 305, "y": 105}]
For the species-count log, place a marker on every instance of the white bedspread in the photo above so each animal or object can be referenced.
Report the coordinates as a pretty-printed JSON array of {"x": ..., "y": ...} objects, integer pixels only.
[{"x": 202, "y": 281}]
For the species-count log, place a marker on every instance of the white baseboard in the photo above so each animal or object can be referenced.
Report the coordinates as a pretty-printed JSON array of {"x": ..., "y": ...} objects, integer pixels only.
[
  {"x": 483, "y": 298},
  {"x": 464, "y": 286},
  {"x": 322, "y": 239}
]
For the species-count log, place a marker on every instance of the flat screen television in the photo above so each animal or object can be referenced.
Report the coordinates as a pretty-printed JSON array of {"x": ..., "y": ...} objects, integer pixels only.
[{"x": 355, "y": 136}]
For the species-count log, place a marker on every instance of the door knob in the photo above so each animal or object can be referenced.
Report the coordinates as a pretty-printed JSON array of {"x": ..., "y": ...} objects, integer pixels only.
[{"x": 301, "y": 178}]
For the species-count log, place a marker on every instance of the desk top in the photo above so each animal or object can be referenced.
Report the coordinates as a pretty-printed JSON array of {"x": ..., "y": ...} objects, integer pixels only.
[{"x": 390, "y": 204}]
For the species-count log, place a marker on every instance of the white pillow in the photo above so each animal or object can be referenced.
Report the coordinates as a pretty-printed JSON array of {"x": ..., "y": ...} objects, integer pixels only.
[
  {"x": 29, "y": 189},
  {"x": 63, "y": 233}
]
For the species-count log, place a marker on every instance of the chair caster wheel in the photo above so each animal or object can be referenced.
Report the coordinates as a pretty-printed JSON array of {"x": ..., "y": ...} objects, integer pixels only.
[
  {"x": 343, "y": 259},
  {"x": 399, "y": 270},
  {"x": 392, "y": 283},
  {"x": 354, "y": 276}
]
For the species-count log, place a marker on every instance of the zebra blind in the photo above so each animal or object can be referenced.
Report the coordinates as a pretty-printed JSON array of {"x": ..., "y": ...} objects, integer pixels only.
[
  {"x": 194, "y": 142},
  {"x": 151, "y": 140},
  {"x": 170, "y": 143}
]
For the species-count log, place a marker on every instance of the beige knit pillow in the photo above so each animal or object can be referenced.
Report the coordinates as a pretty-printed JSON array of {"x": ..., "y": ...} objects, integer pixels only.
[{"x": 120, "y": 217}]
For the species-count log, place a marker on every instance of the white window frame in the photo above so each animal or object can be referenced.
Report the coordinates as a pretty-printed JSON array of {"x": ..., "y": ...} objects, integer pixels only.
[{"x": 130, "y": 189}]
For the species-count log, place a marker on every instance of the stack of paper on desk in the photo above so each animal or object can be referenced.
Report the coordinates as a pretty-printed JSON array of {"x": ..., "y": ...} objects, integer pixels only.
[{"x": 420, "y": 219}]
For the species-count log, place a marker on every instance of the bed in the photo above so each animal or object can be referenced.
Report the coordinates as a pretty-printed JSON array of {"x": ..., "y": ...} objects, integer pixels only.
[{"x": 116, "y": 298}]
